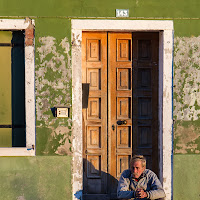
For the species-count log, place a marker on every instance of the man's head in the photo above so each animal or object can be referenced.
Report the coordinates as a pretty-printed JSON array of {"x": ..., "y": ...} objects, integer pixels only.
[{"x": 137, "y": 165}]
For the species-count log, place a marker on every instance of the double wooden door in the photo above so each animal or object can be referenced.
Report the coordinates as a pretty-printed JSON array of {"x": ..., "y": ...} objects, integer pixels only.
[{"x": 120, "y": 107}]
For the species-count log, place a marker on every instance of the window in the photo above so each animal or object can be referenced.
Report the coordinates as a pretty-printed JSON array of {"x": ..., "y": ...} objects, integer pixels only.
[{"x": 17, "y": 102}]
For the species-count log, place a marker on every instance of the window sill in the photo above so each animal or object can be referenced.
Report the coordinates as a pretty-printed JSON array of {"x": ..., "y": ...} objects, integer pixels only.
[{"x": 16, "y": 151}]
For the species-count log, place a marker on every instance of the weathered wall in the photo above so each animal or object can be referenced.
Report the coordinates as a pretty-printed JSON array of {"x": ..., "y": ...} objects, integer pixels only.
[
  {"x": 186, "y": 94},
  {"x": 53, "y": 88},
  {"x": 46, "y": 176},
  {"x": 186, "y": 109}
]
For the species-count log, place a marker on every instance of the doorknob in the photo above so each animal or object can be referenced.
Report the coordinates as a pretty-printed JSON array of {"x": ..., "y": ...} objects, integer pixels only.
[{"x": 120, "y": 122}]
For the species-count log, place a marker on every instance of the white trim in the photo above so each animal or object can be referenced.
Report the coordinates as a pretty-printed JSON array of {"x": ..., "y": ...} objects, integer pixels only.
[
  {"x": 16, "y": 151},
  {"x": 165, "y": 29},
  {"x": 22, "y": 24},
  {"x": 125, "y": 25},
  {"x": 30, "y": 96},
  {"x": 14, "y": 24}
]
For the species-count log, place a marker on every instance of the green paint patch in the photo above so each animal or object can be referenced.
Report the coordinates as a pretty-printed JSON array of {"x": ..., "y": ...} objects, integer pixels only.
[
  {"x": 183, "y": 71},
  {"x": 196, "y": 48},
  {"x": 57, "y": 27},
  {"x": 187, "y": 28},
  {"x": 53, "y": 141},
  {"x": 42, "y": 135},
  {"x": 191, "y": 82},
  {"x": 49, "y": 56},
  {"x": 52, "y": 75},
  {"x": 186, "y": 182},
  {"x": 41, "y": 177},
  {"x": 185, "y": 106},
  {"x": 190, "y": 53},
  {"x": 196, "y": 66},
  {"x": 197, "y": 141},
  {"x": 197, "y": 107},
  {"x": 186, "y": 137}
]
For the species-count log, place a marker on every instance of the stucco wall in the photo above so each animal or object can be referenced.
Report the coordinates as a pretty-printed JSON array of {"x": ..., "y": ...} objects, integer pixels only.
[
  {"x": 103, "y": 8},
  {"x": 35, "y": 178},
  {"x": 53, "y": 88},
  {"x": 186, "y": 109}
]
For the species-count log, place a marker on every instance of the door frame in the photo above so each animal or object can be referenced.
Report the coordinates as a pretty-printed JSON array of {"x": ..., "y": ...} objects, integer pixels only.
[{"x": 165, "y": 110}]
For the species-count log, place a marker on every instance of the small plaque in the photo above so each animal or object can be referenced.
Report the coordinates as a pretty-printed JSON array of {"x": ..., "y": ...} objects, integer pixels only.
[
  {"x": 62, "y": 112},
  {"x": 122, "y": 12}
]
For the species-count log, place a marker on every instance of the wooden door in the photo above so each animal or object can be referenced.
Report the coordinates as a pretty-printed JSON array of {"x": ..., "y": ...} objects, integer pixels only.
[
  {"x": 145, "y": 97},
  {"x": 120, "y": 91},
  {"x": 94, "y": 79},
  {"x": 119, "y": 106}
]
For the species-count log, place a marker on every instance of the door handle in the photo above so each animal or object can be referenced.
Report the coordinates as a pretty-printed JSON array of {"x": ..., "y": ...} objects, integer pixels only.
[{"x": 120, "y": 122}]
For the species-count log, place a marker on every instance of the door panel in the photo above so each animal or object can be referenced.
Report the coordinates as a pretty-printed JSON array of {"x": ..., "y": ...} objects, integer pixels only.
[
  {"x": 119, "y": 103},
  {"x": 94, "y": 74},
  {"x": 145, "y": 97},
  {"x": 120, "y": 106}
]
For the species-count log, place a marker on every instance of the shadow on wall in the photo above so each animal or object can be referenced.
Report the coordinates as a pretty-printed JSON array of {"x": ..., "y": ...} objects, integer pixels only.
[{"x": 97, "y": 182}]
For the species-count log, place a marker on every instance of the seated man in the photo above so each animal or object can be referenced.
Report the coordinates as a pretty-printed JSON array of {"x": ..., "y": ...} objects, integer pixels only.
[{"x": 139, "y": 182}]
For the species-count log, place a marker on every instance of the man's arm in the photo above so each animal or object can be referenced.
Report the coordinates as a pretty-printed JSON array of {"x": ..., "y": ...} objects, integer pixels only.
[
  {"x": 156, "y": 191},
  {"x": 123, "y": 187}
]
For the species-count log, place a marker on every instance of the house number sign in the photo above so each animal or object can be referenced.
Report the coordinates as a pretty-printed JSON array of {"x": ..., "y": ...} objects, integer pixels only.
[{"x": 122, "y": 12}]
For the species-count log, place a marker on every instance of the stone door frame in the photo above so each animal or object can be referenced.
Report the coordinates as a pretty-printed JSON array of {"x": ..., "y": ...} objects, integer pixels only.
[{"x": 165, "y": 29}]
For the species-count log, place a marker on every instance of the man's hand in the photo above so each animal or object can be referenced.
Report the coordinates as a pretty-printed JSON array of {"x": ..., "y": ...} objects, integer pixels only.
[{"x": 140, "y": 193}]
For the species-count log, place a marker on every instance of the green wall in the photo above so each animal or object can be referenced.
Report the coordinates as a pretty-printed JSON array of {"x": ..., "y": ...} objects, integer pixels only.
[
  {"x": 53, "y": 85},
  {"x": 31, "y": 178},
  {"x": 186, "y": 177},
  {"x": 35, "y": 178},
  {"x": 103, "y": 8}
]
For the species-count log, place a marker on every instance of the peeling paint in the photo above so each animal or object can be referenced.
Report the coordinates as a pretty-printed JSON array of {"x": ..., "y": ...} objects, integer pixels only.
[
  {"x": 65, "y": 142},
  {"x": 187, "y": 95},
  {"x": 187, "y": 78},
  {"x": 53, "y": 88},
  {"x": 48, "y": 85},
  {"x": 186, "y": 137}
]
